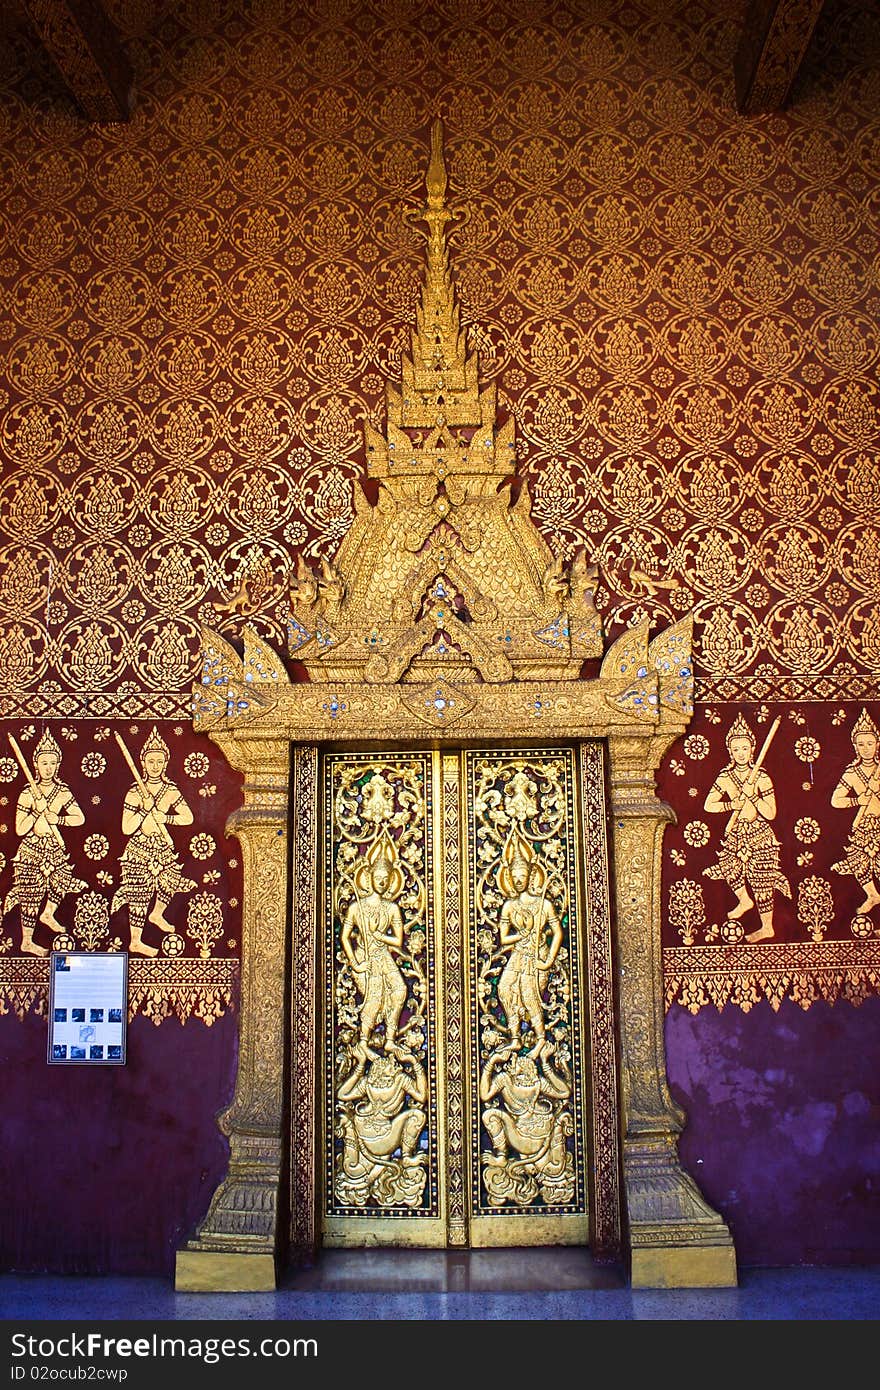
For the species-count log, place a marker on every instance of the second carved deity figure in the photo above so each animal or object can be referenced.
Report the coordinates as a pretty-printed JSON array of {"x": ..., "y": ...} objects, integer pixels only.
[
  {"x": 530, "y": 925},
  {"x": 381, "y": 1120},
  {"x": 528, "y": 1120},
  {"x": 526, "y": 1097},
  {"x": 151, "y": 871}
]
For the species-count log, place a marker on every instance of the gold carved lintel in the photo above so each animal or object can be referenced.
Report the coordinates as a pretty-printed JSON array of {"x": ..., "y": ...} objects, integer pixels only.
[
  {"x": 634, "y": 696},
  {"x": 443, "y": 572}
]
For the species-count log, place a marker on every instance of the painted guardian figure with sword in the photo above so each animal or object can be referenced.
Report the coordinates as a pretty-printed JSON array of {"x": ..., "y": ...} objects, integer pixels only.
[
  {"x": 151, "y": 871},
  {"x": 748, "y": 858},
  {"x": 42, "y": 872},
  {"x": 859, "y": 789}
]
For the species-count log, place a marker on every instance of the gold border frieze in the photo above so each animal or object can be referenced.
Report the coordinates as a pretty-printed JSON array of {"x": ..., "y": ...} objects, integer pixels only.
[
  {"x": 179, "y": 987},
  {"x": 804, "y": 972}
]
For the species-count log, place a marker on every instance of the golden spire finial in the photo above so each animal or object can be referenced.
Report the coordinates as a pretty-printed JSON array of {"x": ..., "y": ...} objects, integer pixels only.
[
  {"x": 439, "y": 379},
  {"x": 436, "y": 179}
]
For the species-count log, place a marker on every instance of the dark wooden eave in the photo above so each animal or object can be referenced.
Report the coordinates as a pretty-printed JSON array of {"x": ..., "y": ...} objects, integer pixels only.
[
  {"x": 82, "y": 42},
  {"x": 774, "y": 38},
  {"x": 85, "y": 47}
]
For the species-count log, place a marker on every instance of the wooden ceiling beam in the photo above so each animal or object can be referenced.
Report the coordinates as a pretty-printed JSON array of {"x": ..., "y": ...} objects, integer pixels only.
[
  {"x": 774, "y": 38},
  {"x": 84, "y": 46}
]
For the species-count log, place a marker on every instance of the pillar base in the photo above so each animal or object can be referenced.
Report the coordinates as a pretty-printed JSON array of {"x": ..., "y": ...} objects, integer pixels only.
[
  {"x": 683, "y": 1267},
  {"x": 216, "y": 1271}
]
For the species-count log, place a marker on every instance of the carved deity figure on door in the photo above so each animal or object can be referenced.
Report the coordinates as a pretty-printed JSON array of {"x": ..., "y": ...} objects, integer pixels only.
[
  {"x": 381, "y": 1087},
  {"x": 525, "y": 1083},
  {"x": 381, "y": 1120},
  {"x": 530, "y": 927},
  {"x": 371, "y": 934},
  {"x": 528, "y": 1122}
]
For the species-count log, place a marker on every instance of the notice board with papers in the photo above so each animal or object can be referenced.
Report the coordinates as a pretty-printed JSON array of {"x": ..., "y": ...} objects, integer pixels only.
[{"x": 88, "y": 999}]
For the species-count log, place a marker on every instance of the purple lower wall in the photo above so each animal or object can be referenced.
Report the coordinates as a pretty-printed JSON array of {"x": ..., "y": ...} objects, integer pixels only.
[
  {"x": 783, "y": 1134},
  {"x": 107, "y": 1169}
]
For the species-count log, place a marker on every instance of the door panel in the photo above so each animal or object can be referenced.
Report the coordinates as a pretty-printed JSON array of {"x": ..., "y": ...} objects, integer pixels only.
[
  {"x": 453, "y": 1074},
  {"x": 384, "y": 1107},
  {"x": 528, "y": 1121}
]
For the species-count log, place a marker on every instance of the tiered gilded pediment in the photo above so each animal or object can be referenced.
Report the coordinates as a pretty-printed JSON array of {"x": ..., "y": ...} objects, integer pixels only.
[
  {"x": 449, "y": 509},
  {"x": 443, "y": 577}
]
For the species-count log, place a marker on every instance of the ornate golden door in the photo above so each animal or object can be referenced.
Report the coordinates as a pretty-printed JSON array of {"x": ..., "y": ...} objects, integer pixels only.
[
  {"x": 465, "y": 929},
  {"x": 454, "y": 1110}
]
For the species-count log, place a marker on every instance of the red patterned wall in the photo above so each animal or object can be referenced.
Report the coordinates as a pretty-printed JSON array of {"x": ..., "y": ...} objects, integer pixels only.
[{"x": 199, "y": 308}]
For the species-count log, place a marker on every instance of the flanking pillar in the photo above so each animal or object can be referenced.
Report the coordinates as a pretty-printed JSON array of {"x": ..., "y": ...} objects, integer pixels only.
[
  {"x": 674, "y": 1238},
  {"x": 236, "y": 1247}
]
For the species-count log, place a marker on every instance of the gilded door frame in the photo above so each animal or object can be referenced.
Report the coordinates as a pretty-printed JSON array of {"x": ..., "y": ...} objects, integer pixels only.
[{"x": 671, "y": 1236}]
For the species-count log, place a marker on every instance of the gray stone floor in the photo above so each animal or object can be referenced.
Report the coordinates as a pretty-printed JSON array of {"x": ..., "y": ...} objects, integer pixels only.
[{"x": 545, "y": 1285}]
